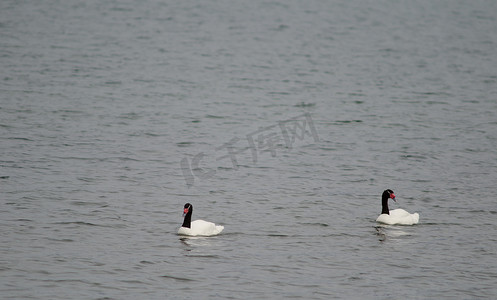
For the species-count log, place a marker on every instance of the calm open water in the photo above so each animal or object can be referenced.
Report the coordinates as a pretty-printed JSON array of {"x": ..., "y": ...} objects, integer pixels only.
[{"x": 281, "y": 120}]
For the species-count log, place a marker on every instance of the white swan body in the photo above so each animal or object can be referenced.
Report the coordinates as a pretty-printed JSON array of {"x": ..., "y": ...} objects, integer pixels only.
[
  {"x": 399, "y": 217},
  {"x": 201, "y": 228},
  {"x": 396, "y": 216},
  {"x": 197, "y": 227}
]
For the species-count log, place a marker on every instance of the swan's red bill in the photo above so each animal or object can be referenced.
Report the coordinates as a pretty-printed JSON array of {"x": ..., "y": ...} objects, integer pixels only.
[
  {"x": 393, "y": 197},
  {"x": 185, "y": 211}
]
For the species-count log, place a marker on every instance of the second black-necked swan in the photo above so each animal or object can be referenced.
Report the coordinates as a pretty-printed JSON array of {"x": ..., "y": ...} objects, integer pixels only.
[
  {"x": 396, "y": 216},
  {"x": 197, "y": 227}
]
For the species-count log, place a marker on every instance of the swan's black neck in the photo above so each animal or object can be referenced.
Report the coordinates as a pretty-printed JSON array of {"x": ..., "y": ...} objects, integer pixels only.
[
  {"x": 384, "y": 203},
  {"x": 188, "y": 217}
]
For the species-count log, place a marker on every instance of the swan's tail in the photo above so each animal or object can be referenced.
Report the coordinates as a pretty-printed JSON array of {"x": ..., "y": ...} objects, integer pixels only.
[
  {"x": 219, "y": 228},
  {"x": 415, "y": 218}
]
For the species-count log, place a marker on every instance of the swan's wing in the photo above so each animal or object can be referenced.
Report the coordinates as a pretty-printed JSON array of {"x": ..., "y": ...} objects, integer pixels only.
[
  {"x": 399, "y": 213},
  {"x": 201, "y": 227}
]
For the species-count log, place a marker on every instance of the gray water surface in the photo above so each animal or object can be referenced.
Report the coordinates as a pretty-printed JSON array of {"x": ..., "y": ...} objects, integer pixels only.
[{"x": 101, "y": 102}]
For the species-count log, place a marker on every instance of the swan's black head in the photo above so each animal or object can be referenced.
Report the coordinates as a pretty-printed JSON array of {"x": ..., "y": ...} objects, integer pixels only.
[
  {"x": 387, "y": 194},
  {"x": 187, "y": 214},
  {"x": 188, "y": 209}
]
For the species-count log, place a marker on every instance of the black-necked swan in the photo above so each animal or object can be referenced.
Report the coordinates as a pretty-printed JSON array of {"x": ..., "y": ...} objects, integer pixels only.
[
  {"x": 197, "y": 227},
  {"x": 396, "y": 216}
]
